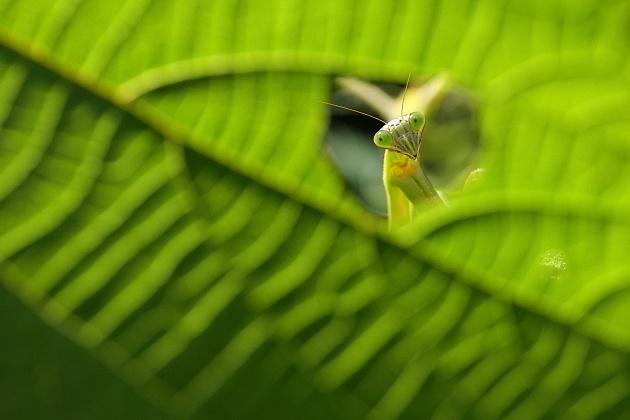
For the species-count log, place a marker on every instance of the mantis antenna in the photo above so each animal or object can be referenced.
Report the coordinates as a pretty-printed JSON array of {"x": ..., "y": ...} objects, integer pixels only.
[
  {"x": 354, "y": 110},
  {"x": 402, "y": 105}
]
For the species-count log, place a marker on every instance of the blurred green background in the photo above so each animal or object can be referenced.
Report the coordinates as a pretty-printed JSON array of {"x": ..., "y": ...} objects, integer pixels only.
[{"x": 181, "y": 237}]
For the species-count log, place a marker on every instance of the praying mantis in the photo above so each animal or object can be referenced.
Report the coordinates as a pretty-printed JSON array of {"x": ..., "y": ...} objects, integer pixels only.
[{"x": 406, "y": 183}]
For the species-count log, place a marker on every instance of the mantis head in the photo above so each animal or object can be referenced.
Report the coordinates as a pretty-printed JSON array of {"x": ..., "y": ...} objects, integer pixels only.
[{"x": 402, "y": 134}]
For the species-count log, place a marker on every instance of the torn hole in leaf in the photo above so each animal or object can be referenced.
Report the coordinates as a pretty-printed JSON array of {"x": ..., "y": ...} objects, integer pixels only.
[{"x": 450, "y": 141}]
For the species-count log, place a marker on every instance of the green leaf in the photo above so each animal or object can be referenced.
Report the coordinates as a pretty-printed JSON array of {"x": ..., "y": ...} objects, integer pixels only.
[{"x": 175, "y": 243}]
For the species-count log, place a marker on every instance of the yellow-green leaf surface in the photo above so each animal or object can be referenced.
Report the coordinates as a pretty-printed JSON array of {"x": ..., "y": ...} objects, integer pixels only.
[{"x": 175, "y": 242}]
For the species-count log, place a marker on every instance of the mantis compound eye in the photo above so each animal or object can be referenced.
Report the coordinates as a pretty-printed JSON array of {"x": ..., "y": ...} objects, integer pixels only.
[
  {"x": 383, "y": 139},
  {"x": 416, "y": 121}
]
